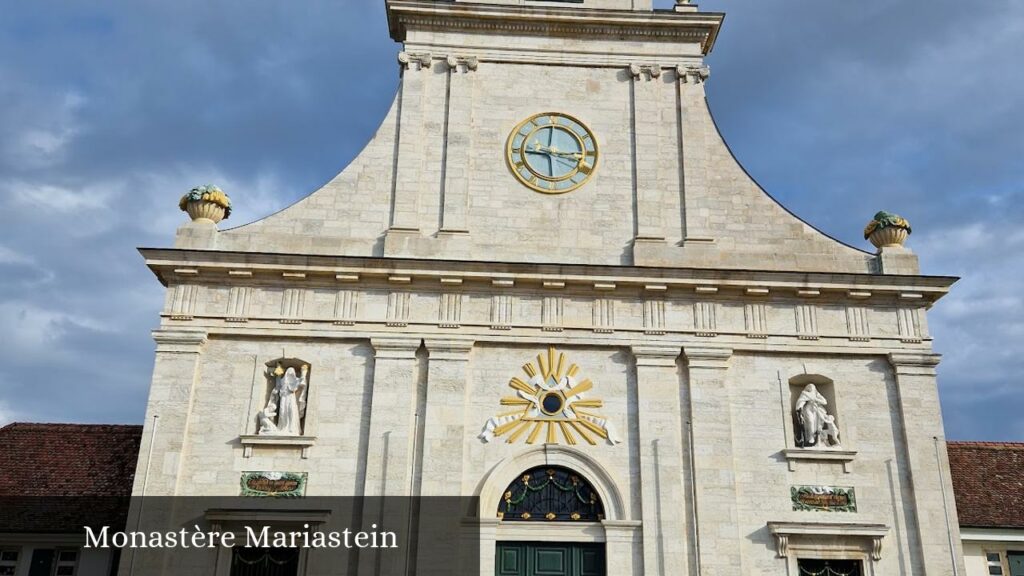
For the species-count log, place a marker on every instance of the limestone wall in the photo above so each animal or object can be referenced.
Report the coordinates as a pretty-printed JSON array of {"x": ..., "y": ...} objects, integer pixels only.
[{"x": 435, "y": 181}]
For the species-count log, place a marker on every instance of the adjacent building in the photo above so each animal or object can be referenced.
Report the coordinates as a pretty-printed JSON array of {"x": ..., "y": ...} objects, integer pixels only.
[
  {"x": 57, "y": 478},
  {"x": 988, "y": 480}
]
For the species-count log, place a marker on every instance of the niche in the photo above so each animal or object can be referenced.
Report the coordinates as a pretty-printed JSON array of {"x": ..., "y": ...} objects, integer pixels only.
[
  {"x": 285, "y": 399},
  {"x": 814, "y": 412}
]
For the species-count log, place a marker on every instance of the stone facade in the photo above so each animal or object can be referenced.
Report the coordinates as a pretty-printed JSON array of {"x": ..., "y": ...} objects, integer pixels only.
[{"x": 419, "y": 281}]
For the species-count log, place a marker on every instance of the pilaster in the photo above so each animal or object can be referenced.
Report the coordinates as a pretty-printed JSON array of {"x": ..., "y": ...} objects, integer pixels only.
[
  {"x": 695, "y": 130},
  {"x": 622, "y": 540},
  {"x": 921, "y": 420},
  {"x": 661, "y": 456},
  {"x": 459, "y": 153},
  {"x": 409, "y": 160},
  {"x": 646, "y": 86},
  {"x": 175, "y": 373},
  {"x": 714, "y": 475},
  {"x": 444, "y": 433},
  {"x": 392, "y": 417},
  {"x": 390, "y": 451}
]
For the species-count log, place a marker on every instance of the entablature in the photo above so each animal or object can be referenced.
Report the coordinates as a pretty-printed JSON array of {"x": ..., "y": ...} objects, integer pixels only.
[
  {"x": 405, "y": 16},
  {"x": 174, "y": 266}
]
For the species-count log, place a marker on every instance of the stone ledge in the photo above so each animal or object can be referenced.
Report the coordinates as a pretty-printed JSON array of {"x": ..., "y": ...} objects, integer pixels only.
[
  {"x": 250, "y": 440},
  {"x": 793, "y": 455}
]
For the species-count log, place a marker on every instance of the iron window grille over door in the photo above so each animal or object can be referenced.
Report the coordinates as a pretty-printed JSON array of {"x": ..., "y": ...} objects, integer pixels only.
[
  {"x": 830, "y": 568},
  {"x": 264, "y": 561},
  {"x": 550, "y": 494}
]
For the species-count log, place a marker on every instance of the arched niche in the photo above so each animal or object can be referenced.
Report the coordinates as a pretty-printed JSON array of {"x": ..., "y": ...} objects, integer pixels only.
[{"x": 826, "y": 387}]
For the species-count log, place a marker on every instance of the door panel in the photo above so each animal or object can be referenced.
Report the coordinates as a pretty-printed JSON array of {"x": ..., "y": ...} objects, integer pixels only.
[
  {"x": 1016, "y": 562},
  {"x": 591, "y": 561},
  {"x": 511, "y": 561},
  {"x": 547, "y": 559},
  {"x": 42, "y": 562},
  {"x": 551, "y": 561}
]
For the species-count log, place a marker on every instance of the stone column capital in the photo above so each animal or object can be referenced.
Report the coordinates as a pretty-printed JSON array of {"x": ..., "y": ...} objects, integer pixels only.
[
  {"x": 645, "y": 72},
  {"x": 707, "y": 357},
  {"x": 462, "y": 64},
  {"x": 692, "y": 74},
  {"x": 914, "y": 364},
  {"x": 414, "y": 60},
  {"x": 449, "y": 349},
  {"x": 395, "y": 348},
  {"x": 624, "y": 531},
  {"x": 180, "y": 341},
  {"x": 656, "y": 355}
]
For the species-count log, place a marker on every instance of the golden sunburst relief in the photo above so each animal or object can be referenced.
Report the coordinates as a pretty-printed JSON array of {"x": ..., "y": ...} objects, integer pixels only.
[{"x": 549, "y": 406}]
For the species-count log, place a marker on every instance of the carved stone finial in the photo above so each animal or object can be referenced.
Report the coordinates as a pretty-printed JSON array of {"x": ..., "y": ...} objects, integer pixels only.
[
  {"x": 414, "y": 61},
  {"x": 206, "y": 204},
  {"x": 685, "y": 6},
  {"x": 887, "y": 230},
  {"x": 462, "y": 64},
  {"x": 645, "y": 72},
  {"x": 693, "y": 74}
]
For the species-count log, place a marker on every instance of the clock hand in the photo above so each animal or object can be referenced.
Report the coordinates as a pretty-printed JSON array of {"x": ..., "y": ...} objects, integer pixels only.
[{"x": 540, "y": 148}]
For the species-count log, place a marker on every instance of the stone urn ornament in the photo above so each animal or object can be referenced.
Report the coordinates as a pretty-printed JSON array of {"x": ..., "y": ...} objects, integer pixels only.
[
  {"x": 206, "y": 204},
  {"x": 887, "y": 230}
]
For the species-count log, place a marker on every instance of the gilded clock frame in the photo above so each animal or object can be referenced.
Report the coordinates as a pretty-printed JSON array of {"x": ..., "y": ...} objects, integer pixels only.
[{"x": 510, "y": 150}]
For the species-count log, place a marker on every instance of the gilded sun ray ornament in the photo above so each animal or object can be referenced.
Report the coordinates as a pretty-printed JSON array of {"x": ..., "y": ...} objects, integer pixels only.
[{"x": 550, "y": 407}]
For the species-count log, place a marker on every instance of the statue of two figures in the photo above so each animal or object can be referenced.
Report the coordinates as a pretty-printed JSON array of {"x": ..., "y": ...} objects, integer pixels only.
[
  {"x": 815, "y": 427},
  {"x": 287, "y": 405}
]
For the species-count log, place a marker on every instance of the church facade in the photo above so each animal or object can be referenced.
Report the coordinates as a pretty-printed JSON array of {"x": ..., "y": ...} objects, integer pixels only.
[{"x": 547, "y": 283}]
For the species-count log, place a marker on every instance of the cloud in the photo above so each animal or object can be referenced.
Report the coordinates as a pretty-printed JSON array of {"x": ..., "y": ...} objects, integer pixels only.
[
  {"x": 41, "y": 138},
  {"x": 7, "y": 415},
  {"x": 36, "y": 330},
  {"x": 8, "y": 256},
  {"x": 112, "y": 110}
]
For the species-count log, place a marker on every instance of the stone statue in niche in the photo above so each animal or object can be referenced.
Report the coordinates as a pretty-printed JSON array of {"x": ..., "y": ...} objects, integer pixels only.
[
  {"x": 815, "y": 427},
  {"x": 287, "y": 404}
]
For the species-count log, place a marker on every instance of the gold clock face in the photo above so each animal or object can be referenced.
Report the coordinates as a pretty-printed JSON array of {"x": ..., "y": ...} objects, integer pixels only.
[{"x": 552, "y": 153}]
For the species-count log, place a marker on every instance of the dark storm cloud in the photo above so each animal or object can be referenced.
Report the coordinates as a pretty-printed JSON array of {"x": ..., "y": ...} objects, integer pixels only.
[{"x": 110, "y": 110}]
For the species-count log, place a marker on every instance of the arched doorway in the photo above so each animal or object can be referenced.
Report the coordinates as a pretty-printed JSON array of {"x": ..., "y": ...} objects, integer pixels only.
[{"x": 548, "y": 496}]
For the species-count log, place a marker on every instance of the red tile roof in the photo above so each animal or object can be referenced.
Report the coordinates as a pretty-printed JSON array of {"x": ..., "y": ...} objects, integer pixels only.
[
  {"x": 68, "y": 459},
  {"x": 988, "y": 480},
  {"x": 57, "y": 478}
]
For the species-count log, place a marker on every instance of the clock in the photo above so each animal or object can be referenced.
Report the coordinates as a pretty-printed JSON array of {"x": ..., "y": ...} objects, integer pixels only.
[{"x": 552, "y": 153}]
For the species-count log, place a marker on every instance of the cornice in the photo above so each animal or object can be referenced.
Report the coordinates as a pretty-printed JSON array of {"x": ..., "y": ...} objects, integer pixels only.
[
  {"x": 225, "y": 268},
  {"x": 656, "y": 355},
  {"x": 914, "y": 364},
  {"x": 699, "y": 27},
  {"x": 395, "y": 347},
  {"x": 190, "y": 341}
]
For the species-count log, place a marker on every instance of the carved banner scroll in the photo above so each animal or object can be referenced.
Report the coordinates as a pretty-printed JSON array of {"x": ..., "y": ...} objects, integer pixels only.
[
  {"x": 274, "y": 484},
  {"x": 823, "y": 499}
]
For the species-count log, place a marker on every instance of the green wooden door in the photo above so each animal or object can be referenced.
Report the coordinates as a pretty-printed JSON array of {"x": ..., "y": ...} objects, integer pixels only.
[
  {"x": 1016, "y": 562},
  {"x": 546, "y": 559}
]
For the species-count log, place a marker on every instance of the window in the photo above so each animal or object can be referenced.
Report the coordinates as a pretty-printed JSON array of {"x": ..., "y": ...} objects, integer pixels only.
[
  {"x": 8, "y": 562},
  {"x": 995, "y": 563},
  {"x": 264, "y": 561},
  {"x": 830, "y": 568},
  {"x": 550, "y": 494},
  {"x": 66, "y": 562}
]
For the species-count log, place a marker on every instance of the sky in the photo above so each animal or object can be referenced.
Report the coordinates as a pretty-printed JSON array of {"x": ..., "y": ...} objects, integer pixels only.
[{"x": 110, "y": 110}]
